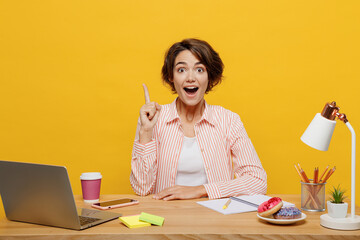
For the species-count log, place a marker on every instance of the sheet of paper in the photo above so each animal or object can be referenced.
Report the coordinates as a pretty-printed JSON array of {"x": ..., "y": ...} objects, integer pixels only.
[{"x": 238, "y": 207}]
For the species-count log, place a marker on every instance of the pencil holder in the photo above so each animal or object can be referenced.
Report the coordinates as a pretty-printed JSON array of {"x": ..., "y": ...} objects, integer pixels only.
[{"x": 313, "y": 196}]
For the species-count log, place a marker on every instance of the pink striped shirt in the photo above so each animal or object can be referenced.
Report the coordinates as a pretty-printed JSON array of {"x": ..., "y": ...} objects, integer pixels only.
[{"x": 231, "y": 163}]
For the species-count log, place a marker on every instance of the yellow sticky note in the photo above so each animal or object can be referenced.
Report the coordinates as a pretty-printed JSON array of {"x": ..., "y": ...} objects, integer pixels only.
[{"x": 133, "y": 221}]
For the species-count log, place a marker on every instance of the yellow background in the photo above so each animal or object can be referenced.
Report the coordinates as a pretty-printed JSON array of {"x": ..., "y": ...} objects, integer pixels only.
[{"x": 71, "y": 75}]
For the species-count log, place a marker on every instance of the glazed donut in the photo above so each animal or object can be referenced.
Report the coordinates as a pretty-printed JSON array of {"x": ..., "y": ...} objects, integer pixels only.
[
  {"x": 288, "y": 213},
  {"x": 270, "y": 207}
]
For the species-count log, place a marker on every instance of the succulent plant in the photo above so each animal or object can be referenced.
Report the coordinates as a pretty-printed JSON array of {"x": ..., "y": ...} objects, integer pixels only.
[{"x": 337, "y": 195}]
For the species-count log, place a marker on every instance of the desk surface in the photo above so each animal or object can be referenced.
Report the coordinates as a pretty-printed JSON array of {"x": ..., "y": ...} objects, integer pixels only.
[{"x": 184, "y": 219}]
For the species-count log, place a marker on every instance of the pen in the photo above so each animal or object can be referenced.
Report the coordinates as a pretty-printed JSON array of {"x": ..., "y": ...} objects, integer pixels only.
[
  {"x": 245, "y": 202},
  {"x": 227, "y": 203}
]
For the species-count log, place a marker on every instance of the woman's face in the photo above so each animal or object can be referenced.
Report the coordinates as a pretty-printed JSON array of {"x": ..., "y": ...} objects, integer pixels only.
[{"x": 190, "y": 78}]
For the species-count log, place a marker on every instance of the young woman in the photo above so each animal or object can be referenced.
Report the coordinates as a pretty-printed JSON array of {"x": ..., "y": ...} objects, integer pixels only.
[{"x": 189, "y": 149}]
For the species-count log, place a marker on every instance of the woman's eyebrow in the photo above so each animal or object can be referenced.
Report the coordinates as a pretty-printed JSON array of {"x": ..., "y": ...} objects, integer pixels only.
[
  {"x": 198, "y": 63},
  {"x": 180, "y": 63}
]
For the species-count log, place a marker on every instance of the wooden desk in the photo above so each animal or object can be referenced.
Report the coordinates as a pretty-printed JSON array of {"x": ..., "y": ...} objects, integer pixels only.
[{"x": 184, "y": 219}]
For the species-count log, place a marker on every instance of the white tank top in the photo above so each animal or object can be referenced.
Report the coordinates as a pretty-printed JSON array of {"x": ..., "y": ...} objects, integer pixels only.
[{"x": 190, "y": 170}]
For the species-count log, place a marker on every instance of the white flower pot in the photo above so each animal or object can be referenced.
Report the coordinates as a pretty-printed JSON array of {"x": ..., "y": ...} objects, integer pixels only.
[{"x": 337, "y": 210}]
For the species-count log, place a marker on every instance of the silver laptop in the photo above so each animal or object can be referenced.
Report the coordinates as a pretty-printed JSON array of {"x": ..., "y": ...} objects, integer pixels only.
[{"x": 42, "y": 194}]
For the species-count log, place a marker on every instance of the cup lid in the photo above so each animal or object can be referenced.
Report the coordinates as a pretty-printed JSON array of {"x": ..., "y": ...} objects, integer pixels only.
[{"x": 90, "y": 176}]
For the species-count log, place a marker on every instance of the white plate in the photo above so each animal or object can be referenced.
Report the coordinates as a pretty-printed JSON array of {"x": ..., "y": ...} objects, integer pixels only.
[{"x": 282, "y": 221}]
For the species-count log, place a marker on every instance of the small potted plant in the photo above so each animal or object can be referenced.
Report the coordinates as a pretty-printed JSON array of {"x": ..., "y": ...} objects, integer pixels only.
[{"x": 337, "y": 208}]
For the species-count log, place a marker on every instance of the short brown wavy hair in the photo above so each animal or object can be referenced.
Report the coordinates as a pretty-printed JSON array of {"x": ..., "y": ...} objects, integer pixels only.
[{"x": 203, "y": 51}]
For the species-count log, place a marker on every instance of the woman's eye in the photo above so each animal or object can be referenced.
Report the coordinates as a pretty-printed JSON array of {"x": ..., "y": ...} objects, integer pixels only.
[
  {"x": 180, "y": 70},
  {"x": 200, "y": 70}
]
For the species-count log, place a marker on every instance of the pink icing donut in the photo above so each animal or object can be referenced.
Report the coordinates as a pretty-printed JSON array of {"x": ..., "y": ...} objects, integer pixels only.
[{"x": 270, "y": 207}]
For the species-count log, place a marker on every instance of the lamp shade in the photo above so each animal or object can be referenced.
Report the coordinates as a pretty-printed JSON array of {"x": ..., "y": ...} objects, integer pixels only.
[{"x": 319, "y": 133}]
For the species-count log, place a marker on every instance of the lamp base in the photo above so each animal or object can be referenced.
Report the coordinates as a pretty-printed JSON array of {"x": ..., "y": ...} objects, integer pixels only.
[{"x": 346, "y": 223}]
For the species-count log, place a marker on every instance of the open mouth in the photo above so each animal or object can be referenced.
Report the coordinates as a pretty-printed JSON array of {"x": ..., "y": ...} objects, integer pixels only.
[{"x": 191, "y": 90}]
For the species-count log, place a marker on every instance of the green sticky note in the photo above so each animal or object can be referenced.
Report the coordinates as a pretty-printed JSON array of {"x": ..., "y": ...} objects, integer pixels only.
[{"x": 153, "y": 219}]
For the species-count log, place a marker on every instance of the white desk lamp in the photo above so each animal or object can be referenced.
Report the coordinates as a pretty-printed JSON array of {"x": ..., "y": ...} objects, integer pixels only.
[{"x": 318, "y": 135}]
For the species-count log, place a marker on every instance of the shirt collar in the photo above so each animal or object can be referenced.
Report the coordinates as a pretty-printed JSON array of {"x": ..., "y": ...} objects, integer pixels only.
[
  {"x": 173, "y": 115},
  {"x": 207, "y": 115}
]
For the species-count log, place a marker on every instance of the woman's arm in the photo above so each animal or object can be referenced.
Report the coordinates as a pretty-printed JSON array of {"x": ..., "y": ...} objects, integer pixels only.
[
  {"x": 181, "y": 192},
  {"x": 250, "y": 176},
  {"x": 144, "y": 154},
  {"x": 143, "y": 165}
]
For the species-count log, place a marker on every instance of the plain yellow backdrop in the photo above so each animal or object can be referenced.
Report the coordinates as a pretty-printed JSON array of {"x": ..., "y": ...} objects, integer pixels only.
[{"x": 71, "y": 74}]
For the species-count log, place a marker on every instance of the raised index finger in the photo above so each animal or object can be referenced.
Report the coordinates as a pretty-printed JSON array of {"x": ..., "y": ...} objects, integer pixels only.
[{"x": 146, "y": 93}]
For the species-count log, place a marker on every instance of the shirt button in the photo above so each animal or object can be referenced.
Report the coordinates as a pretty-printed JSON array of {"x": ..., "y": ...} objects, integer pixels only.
[{"x": 202, "y": 150}]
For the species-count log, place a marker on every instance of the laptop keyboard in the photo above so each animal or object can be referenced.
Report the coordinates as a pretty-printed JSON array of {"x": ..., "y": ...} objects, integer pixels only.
[{"x": 87, "y": 220}]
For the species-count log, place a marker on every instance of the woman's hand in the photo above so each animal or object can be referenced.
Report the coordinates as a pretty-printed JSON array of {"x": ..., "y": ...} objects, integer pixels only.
[
  {"x": 149, "y": 114},
  {"x": 181, "y": 192}
]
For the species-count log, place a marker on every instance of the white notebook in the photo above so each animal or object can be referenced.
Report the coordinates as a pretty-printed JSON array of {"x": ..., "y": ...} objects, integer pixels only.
[{"x": 238, "y": 207}]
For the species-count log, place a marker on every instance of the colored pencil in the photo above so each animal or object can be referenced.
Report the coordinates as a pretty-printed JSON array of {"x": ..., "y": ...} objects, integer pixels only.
[
  {"x": 329, "y": 174},
  {"x": 322, "y": 175},
  {"x": 297, "y": 170},
  {"x": 316, "y": 173}
]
